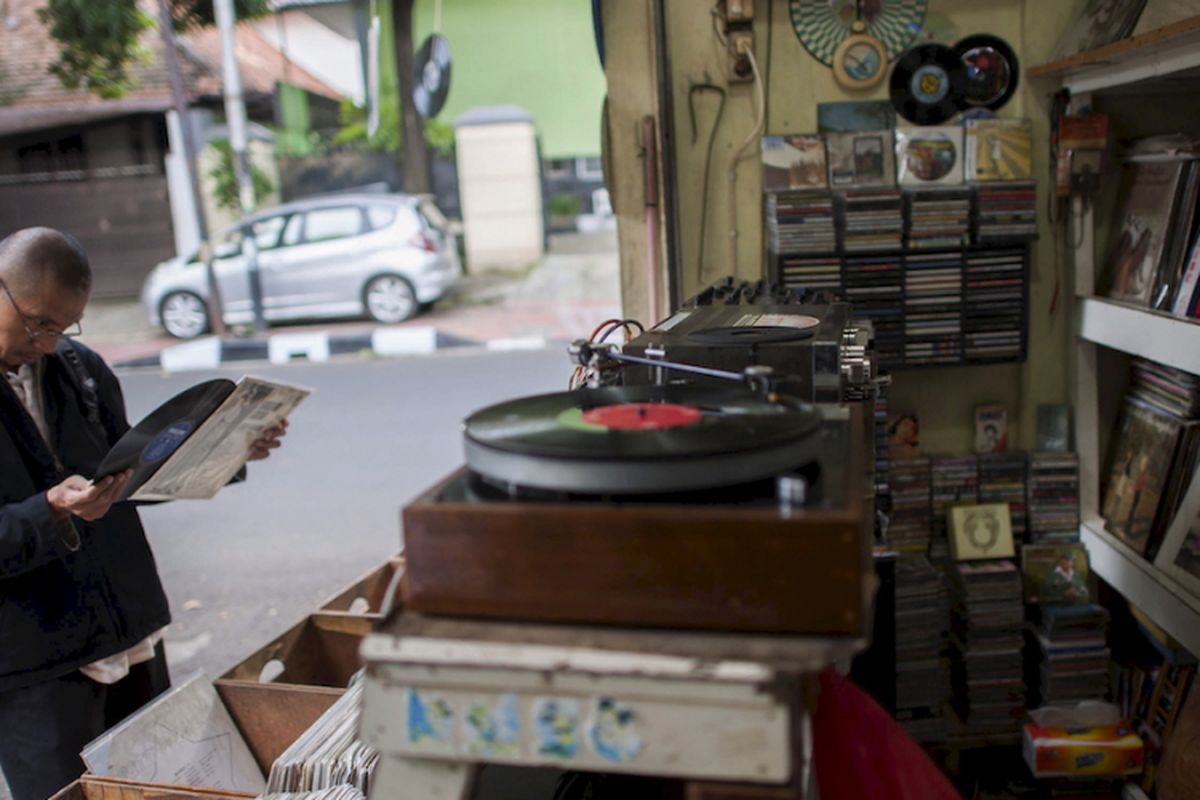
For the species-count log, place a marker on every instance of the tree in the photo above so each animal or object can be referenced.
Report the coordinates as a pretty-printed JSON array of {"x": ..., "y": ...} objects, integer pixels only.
[{"x": 416, "y": 157}]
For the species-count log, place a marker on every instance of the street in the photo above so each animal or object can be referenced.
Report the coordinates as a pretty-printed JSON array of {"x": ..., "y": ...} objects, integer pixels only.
[{"x": 246, "y": 565}]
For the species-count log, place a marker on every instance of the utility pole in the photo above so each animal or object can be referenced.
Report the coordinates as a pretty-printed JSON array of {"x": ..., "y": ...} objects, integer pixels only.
[
  {"x": 235, "y": 116},
  {"x": 187, "y": 138}
]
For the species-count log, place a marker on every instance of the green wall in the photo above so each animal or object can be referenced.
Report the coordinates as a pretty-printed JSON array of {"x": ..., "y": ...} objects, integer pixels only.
[{"x": 537, "y": 54}]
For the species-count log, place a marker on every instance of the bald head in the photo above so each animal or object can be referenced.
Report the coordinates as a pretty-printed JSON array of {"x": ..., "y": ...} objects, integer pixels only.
[{"x": 33, "y": 257}]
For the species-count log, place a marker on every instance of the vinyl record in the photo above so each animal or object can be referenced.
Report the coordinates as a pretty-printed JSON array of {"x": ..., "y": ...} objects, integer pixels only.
[
  {"x": 146, "y": 446},
  {"x": 431, "y": 76},
  {"x": 927, "y": 84},
  {"x": 990, "y": 68},
  {"x": 641, "y": 439}
]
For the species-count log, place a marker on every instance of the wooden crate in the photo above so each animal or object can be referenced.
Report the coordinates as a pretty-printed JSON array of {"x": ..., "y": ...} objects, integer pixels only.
[
  {"x": 370, "y": 589},
  {"x": 92, "y": 787},
  {"x": 318, "y": 656}
]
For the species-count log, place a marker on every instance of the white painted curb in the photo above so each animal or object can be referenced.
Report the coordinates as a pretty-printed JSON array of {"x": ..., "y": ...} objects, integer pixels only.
[
  {"x": 283, "y": 347},
  {"x": 200, "y": 354},
  {"x": 414, "y": 341}
]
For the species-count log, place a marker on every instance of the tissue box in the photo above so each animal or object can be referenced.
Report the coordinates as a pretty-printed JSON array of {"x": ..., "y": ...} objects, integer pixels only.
[{"x": 1096, "y": 750}]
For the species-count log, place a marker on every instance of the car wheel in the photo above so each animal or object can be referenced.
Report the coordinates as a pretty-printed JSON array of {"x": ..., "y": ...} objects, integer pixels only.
[
  {"x": 184, "y": 315},
  {"x": 390, "y": 298}
]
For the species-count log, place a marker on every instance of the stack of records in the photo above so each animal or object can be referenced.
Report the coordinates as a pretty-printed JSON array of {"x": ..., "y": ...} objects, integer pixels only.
[
  {"x": 1167, "y": 389},
  {"x": 909, "y": 526},
  {"x": 872, "y": 220},
  {"x": 1074, "y": 657},
  {"x": 810, "y": 272},
  {"x": 875, "y": 285},
  {"x": 329, "y": 753},
  {"x": 1005, "y": 211},
  {"x": 954, "y": 479},
  {"x": 922, "y": 679},
  {"x": 933, "y": 308},
  {"x": 800, "y": 221},
  {"x": 994, "y": 298},
  {"x": 882, "y": 459},
  {"x": 342, "y": 791},
  {"x": 987, "y": 614},
  {"x": 1053, "y": 486},
  {"x": 1002, "y": 480},
  {"x": 938, "y": 218}
]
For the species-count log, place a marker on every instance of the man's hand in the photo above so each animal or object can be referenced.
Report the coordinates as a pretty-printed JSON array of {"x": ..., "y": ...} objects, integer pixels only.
[
  {"x": 261, "y": 447},
  {"x": 82, "y": 498}
]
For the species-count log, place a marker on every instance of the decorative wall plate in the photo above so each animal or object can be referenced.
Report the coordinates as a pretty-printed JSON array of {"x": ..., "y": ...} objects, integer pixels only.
[{"x": 822, "y": 25}]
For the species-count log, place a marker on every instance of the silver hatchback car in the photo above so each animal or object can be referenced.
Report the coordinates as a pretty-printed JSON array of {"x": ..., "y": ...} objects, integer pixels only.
[{"x": 379, "y": 255}]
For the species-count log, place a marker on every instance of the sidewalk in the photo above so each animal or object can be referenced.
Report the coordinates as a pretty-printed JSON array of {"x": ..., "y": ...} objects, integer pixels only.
[{"x": 573, "y": 288}]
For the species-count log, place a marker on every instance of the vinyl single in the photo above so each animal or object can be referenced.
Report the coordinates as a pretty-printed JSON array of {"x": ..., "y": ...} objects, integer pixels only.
[
  {"x": 640, "y": 439},
  {"x": 928, "y": 84},
  {"x": 991, "y": 70},
  {"x": 431, "y": 76}
]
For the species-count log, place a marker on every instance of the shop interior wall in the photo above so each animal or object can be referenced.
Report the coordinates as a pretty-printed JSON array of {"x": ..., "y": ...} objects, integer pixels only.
[{"x": 795, "y": 83}]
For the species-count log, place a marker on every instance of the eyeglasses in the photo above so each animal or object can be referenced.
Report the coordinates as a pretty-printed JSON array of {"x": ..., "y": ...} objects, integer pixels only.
[{"x": 36, "y": 335}]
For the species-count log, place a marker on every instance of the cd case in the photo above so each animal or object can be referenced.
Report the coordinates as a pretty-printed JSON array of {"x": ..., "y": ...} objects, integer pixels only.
[
  {"x": 195, "y": 443},
  {"x": 929, "y": 156}
]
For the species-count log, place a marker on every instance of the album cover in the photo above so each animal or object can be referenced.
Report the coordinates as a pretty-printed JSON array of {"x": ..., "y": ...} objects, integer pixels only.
[
  {"x": 1143, "y": 451},
  {"x": 1141, "y": 226},
  {"x": 853, "y": 116},
  {"x": 904, "y": 435},
  {"x": 991, "y": 428},
  {"x": 1054, "y": 428},
  {"x": 999, "y": 150},
  {"x": 793, "y": 162},
  {"x": 1100, "y": 22},
  {"x": 930, "y": 155},
  {"x": 981, "y": 531},
  {"x": 861, "y": 159},
  {"x": 1179, "y": 555},
  {"x": 1055, "y": 573}
]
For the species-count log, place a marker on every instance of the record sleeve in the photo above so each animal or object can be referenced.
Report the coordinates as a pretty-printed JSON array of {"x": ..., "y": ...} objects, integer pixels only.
[
  {"x": 1141, "y": 228},
  {"x": 999, "y": 150},
  {"x": 855, "y": 116},
  {"x": 929, "y": 156},
  {"x": 863, "y": 159},
  {"x": 793, "y": 162}
]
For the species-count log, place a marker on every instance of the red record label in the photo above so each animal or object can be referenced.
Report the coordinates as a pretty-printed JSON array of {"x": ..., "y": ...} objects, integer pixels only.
[{"x": 642, "y": 416}]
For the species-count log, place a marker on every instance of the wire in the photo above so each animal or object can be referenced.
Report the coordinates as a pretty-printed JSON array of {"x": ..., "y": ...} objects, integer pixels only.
[{"x": 755, "y": 133}]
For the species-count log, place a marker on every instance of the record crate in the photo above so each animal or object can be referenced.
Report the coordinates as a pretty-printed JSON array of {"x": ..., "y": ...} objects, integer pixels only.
[
  {"x": 94, "y": 787},
  {"x": 368, "y": 595},
  {"x": 276, "y": 693}
]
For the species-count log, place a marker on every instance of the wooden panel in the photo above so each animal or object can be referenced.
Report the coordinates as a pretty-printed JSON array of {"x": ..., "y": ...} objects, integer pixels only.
[
  {"x": 697, "y": 790},
  {"x": 1118, "y": 50},
  {"x": 273, "y": 716},
  {"x": 91, "y": 787},
  {"x": 370, "y": 588}
]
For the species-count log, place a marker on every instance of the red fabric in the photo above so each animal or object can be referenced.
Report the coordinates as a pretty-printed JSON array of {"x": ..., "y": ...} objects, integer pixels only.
[{"x": 861, "y": 753}]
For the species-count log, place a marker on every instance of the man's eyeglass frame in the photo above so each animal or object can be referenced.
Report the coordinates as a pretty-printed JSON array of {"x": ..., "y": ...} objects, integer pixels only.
[{"x": 34, "y": 335}]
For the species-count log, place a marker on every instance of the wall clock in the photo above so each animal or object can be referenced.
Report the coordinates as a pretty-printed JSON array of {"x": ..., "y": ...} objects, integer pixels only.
[{"x": 824, "y": 25}]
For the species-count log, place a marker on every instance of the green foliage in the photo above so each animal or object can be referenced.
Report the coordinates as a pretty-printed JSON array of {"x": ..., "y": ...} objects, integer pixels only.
[
  {"x": 388, "y": 137},
  {"x": 565, "y": 205},
  {"x": 99, "y": 38},
  {"x": 225, "y": 186},
  {"x": 439, "y": 136}
]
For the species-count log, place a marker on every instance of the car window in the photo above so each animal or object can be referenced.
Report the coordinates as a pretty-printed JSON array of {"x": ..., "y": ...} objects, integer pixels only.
[
  {"x": 266, "y": 232},
  {"x": 380, "y": 216},
  {"x": 291, "y": 232},
  {"x": 433, "y": 215},
  {"x": 325, "y": 224}
]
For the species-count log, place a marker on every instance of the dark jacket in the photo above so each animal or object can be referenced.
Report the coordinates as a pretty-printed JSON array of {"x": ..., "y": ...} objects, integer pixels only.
[{"x": 60, "y": 610}]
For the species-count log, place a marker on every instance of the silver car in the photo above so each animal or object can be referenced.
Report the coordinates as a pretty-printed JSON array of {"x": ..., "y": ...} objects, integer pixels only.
[{"x": 379, "y": 255}]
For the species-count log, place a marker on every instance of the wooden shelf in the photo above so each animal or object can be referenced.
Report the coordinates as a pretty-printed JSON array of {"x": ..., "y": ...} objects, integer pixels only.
[
  {"x": 1140, "y": 332},
  {"x": 1154, "y": 54},
  {"x": 1161, "y": 597}
]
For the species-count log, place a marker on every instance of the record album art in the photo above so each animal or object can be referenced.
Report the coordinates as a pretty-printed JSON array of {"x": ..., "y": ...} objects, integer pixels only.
[
  {"x": 1141, "y": 227},
  {"x": 981, "y": 531},
  {"x": 431, "y": 76},
  {"x": 929, "y": 156},
  {"x": 793, "y": 162},
  {"x": 1143, "y": 448},
  {"x": 999, "y": 150},
  {"x": 1055, "y": 573},
  {"x": 863, "y": 159},
  {"x": 991, "y": 71},
  {"x": 855, "y": 115}
]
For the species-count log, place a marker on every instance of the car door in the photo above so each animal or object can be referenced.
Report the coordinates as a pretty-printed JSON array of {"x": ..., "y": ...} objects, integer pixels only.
[
  {"x": 315, "y": 274},
  {"x": 231, "y": 267}
]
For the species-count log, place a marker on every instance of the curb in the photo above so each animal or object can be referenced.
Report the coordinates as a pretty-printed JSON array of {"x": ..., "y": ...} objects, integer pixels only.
[{"x": 317, "y": 347}]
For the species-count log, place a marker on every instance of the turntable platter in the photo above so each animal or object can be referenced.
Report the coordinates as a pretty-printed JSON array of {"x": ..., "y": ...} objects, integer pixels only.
[{"x": 640, "y": 439}]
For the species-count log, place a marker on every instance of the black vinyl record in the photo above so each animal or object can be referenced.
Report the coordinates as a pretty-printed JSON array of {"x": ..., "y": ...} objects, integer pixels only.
[
  {"x": 640, "y": 439},
  {"x": 927, "y": 84},
  {"x": 146, "y": 446},
  {"x": 431, "y": 76},
  {"x": 990, "y": 68}
]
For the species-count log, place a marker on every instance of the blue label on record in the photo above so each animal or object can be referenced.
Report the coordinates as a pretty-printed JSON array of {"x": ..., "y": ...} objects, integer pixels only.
[
  {"x": 929, "y": 84},
  {"x": 166, "y": 441}
]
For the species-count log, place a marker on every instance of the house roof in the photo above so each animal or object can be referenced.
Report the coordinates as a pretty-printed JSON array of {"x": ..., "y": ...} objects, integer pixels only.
[{"x": 31, "y": 98}]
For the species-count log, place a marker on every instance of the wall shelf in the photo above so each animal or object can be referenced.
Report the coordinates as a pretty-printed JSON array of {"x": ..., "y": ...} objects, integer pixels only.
[
  {"x": 1161, "y": 597},
  {"x": 1150, "y": 334}
]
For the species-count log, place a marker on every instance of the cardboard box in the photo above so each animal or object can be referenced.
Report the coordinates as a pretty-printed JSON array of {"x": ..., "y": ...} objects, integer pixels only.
[{"x": 1097, "y": 750}]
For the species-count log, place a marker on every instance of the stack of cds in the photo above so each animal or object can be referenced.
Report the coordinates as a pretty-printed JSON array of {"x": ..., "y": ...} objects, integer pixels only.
[
  {"x": 922, "y": 680},
  {"x": 810, "y": 272},
  {"x": 1005, "y": 211},
  {"x": 343, "y": 791},
  {"x": 954, "y": 479},
  {"x": 933, "y": 308},
  {"x": 875, "y": 285},
  {"x": 1002, "y": 480},
  {"x": 872, "y": 220},
  {"x": 882, "y": 459},
  {"x": 909, "y": 527},
  {"x": 938, "y": 218},
  {"x": 987, "y": 614},
  {"x": 1074, "y": 657},
  {"x": 1053, "y": 498},
  {"x": 1167, "y": 389},
  {"x": 800, "y": 221},
  {"x": 994, "y": 304}
]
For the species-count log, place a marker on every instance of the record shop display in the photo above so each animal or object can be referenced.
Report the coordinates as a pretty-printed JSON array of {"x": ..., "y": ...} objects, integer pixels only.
[
  {"x": 431, "y": 76},
  {"x": 928, "y": 84},
  {"x": 991, "y": 71}
]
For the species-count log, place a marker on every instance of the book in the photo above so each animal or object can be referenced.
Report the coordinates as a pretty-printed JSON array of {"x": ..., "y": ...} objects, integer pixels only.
[
  {"x": 1141, "y": 226},
  {"x": 998, "y": 150},
  {"x": 793, "y": 162},
  {"x": 929, "y": 156},
  {"x": 196, "y": 442},
  {"x": 860, "y": 159}
]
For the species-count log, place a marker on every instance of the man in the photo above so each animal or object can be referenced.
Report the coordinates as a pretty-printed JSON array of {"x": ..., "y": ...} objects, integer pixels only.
[{"x": 82, "y": 610}]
